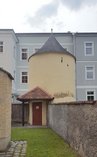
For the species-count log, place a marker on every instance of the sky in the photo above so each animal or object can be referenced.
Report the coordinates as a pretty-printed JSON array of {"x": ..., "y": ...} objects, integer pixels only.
[{"x": 42, "y": 15}]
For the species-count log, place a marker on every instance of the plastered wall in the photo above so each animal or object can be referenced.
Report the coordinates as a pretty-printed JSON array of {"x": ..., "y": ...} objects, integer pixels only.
[
  {"x": 77, "y": 124},
  {"x": 5, "y": 110}
]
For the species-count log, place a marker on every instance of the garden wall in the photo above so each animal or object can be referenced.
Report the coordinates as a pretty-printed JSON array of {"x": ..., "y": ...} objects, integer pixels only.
[
  {"x": 5, "y": 108},
  {"x": 77, "y": 124},
  {"x": 17, "y": 113}
]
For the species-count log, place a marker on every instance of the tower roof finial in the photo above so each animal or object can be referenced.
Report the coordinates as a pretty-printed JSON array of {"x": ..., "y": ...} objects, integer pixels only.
[{"x": 51, "y": 30}]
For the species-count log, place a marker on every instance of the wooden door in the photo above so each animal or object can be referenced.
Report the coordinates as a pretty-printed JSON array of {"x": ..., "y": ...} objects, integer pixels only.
[{"x": 37, "y": 113}]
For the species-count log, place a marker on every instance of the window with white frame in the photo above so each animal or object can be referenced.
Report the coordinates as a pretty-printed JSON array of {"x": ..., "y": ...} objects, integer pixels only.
[
  {"x": 89, "y": 48},
  {"x": 1, "y": 46},
  {"x": 90, "y": 95},
  {"x": 24, "y": 77},
  {"x": 36, "y": 49},
  {"x": 89, "y": 73},
  {"x": 24, "y": 53}
]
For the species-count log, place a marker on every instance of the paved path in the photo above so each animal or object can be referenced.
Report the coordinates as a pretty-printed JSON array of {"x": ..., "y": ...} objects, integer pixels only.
[{"x": 16, "y": 149}]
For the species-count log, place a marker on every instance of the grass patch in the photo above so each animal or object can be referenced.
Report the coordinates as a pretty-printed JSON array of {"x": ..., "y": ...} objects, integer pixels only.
[{"x": 43, "y": 142}]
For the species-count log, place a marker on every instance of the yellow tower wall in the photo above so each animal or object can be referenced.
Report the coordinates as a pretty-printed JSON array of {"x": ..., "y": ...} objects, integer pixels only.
[{"x": 55, "y": 73}]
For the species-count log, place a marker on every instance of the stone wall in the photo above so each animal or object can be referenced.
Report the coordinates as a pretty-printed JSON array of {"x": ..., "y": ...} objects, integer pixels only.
[
  {"x": 5, "y": 109},
  {"x": 77, "y": 124}
]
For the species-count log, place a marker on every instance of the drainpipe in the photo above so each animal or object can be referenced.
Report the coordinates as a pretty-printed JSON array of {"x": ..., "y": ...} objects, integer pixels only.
[
  {"x": 23, "y": 114},
  {"x": 74, "y": 43}
]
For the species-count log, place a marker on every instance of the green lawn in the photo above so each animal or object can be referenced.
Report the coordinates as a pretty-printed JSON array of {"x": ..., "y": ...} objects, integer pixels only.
[{"x": 43, "y": 142}]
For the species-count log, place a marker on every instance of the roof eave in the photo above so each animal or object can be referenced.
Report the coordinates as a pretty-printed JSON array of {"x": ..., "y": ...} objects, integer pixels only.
[
  {"x": 43, "y": 52},
  {"x": 35, "y": 99}
]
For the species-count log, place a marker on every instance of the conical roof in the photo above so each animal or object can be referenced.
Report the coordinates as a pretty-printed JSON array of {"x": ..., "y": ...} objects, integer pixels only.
[{"x": 51, "y": 45}]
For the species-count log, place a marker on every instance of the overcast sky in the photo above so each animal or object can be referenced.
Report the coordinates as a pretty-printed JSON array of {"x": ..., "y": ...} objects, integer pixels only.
[{"x": 42, "y": 15}]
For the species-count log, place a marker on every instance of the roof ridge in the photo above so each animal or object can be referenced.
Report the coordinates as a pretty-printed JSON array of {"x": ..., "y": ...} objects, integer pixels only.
[
  {"x": 35, "y": 94},
  {"x": 44, "y": 91}
]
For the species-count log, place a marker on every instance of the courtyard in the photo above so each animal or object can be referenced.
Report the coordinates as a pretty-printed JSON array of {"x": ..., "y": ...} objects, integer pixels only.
[{"x": 42, "y": 142}]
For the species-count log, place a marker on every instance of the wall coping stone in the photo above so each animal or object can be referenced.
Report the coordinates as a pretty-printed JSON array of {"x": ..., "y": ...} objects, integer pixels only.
[
  {"x": 9, "y": 75},
  {"x": 76, "y": 103}
]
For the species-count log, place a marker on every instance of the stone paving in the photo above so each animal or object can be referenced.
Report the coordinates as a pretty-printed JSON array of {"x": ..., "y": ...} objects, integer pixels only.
[{"x": 16, "y": 149}]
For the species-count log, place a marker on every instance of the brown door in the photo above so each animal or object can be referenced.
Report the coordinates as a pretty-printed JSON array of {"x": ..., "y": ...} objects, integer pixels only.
[{"x": 37, "y": 113}]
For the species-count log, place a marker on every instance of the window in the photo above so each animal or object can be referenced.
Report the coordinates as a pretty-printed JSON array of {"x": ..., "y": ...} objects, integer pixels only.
[
  {"x": 36, "y": 49},
  {"x": 24, "y": 54},
  {"x": 24, "y": 78},
  {"x": 1, "y": 46},
  {"x": 90, "y": 95},
  {"x": 89, "y": 49},
  {"x": 89, "y": 73}
]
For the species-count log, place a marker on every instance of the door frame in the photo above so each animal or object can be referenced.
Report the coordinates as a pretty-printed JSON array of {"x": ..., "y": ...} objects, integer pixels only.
[{"x": 37, "y": 114}]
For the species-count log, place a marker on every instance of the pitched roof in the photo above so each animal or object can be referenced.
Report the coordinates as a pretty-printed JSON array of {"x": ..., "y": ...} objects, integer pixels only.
[
  {"x": 35, "y": 94},
  {"x": 52, "y": 45}
]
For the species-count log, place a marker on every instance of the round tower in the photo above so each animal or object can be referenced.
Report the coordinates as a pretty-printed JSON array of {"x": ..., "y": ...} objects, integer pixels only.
[{"x": 52, "y": 68}]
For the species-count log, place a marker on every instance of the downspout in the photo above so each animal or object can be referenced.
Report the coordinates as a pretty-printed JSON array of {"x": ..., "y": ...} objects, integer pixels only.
[
  {"x": 74, "y": 44},
  {"x": 23, "y": 122}
]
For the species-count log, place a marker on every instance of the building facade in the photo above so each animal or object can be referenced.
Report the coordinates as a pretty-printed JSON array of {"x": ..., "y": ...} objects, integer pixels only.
[
  {"x": 51, "y": 80},
  {"x": 16, "y": 48}
]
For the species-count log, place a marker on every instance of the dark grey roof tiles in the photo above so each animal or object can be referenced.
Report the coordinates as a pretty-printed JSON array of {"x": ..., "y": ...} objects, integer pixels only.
[{"x": 51, "y": 45}]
